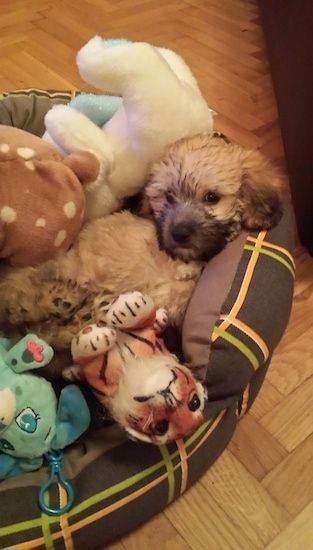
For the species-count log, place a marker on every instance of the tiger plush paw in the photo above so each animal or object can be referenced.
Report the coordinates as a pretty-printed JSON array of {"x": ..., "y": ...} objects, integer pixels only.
[
  {"x": 93, "y": 340},
  {"x": 131, "y": 310},
  {"x": 161, "y": 320}
]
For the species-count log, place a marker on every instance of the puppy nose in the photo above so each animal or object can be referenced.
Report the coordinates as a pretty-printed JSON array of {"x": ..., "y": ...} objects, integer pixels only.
[{"x": 181, "y": 232}]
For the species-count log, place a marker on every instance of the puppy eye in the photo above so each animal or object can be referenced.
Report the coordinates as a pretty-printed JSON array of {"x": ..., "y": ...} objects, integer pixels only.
[
  {"x": 170, "y": 199},
  {"x": 194, "y": 404},
  {"x": 160, "y": 428},
  {"x": 211, "y": 197}
]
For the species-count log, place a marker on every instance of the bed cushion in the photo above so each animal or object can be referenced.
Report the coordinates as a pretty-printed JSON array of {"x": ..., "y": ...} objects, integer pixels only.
[
  {"x": 234, "y": 322},
  {"x": 26, "y": 108}
]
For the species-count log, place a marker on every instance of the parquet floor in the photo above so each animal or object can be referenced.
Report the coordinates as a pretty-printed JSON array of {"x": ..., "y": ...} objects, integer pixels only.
[{"x": 259, "y": 494}]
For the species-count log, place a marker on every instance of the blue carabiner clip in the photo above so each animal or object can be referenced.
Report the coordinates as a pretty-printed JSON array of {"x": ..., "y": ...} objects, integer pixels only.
[{"x": 55, "y": 462}]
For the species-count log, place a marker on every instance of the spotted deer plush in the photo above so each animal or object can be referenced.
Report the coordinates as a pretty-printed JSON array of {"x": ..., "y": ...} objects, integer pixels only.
[
  {"x": 42, "y": 201},
  {"x": 141, "y": 384}
]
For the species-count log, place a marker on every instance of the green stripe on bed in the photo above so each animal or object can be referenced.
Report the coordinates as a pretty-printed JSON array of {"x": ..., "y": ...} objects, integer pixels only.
[
  {"x": 100, "y": 497},
  {"x": 266, "y": 252},
  {"x": 239, "y": 345},
  {"x": 170, "y": 472}
]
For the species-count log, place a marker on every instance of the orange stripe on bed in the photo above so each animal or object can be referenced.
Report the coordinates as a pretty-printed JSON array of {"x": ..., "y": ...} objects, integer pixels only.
[
  {"x": 66, "y": 530},
  {"x": 69, "y": 529},
  {"x": 116, "y": 505},
  {"x": 183, "y": 464},
  {"x": 250, "y": 332},
  {"x": 244, "y": 287},
  {"x": 272, "y": 246}
]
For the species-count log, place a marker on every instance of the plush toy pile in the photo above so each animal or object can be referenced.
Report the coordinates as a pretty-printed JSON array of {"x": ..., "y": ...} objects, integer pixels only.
[
  {"x": 84, "y": 168},
  {"x": 91, "y": 165},
  {"x": 161, "y": 103}
]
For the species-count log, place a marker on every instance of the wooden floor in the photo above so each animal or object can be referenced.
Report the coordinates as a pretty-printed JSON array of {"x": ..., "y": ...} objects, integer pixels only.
[{"x": 259, "y": 494}]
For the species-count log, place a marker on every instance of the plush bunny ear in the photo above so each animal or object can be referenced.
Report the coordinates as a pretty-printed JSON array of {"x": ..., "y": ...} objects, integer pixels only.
[
  {"x": 85, "y": 165},
  {"x": 262, "y": 191}
]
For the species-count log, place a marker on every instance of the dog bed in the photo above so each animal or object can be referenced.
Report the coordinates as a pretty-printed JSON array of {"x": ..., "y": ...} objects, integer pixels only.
[{"x": 233, "y": 324}]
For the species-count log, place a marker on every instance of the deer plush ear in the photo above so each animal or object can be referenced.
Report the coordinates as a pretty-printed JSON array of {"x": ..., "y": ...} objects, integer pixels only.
[
  {"x": 85, "y": 165},
  {"x": 262, "y": 190}
]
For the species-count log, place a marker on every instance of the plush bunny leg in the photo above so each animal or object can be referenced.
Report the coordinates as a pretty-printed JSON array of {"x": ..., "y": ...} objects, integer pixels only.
[
  {"x": 117, "y": 68},
  {"x": 148, "y": 83},
  {"x": 129, "y": 69},
  {"x": 74, "y": 131}
]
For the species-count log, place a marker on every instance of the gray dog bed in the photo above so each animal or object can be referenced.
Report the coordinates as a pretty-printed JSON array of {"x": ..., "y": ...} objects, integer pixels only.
[{"x": 234, "y": 322}]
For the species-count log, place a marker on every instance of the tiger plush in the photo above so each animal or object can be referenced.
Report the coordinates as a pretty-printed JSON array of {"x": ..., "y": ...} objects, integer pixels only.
[{"x": 142, "y": 385}]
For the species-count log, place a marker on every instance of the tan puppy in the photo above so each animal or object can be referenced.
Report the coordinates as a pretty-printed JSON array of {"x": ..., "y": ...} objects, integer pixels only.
[
  {"x": 112, "y": 255},
  {"x": 201, "y": 194},
  {"x": 205, "y": 190}
]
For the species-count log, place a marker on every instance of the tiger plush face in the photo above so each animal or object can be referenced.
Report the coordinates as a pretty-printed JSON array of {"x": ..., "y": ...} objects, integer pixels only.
[{"x": 162, "y": 403}]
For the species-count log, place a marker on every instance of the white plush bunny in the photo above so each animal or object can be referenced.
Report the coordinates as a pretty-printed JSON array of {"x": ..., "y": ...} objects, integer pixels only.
[{"x": 161, "y": 103}]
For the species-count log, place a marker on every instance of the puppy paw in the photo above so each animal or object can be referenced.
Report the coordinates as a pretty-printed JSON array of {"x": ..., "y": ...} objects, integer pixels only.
[
  {"x": 32, "y": 299},
  {"x": 64, "y": 299},
  {"x": 190, "y": 271},
  {"x": 100, "y": 306}
]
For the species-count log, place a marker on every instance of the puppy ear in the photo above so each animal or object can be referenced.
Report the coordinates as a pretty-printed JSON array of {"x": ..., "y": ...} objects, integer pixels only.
[
  {"x": 144, "y": 208},
  {"x": 261, "y": 192}
]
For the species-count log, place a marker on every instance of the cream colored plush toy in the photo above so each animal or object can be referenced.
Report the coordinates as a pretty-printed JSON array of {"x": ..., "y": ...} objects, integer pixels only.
[{"x": 161, "y": 103}]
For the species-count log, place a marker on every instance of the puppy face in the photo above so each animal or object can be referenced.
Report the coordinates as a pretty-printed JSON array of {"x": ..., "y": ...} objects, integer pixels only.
[{"x": 204, "y": 191}]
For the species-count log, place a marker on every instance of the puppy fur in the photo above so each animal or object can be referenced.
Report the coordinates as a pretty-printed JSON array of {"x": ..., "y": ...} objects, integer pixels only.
[
  {"x": 112, "y": 255},
  {"x": 205, "y": 190},
  {"x": 201, "y": 194}
]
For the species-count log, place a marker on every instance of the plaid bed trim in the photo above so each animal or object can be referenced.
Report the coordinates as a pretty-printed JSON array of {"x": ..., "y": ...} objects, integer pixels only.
[
  {"x": 37, "y": 92},
  {"x": 172, "y": 469},
  {"x": 134, "y": 490},
  {"x": 248, "y": 341},
  {"x": 27, "y": 107},
  {"x": 259, "y": 246}
]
